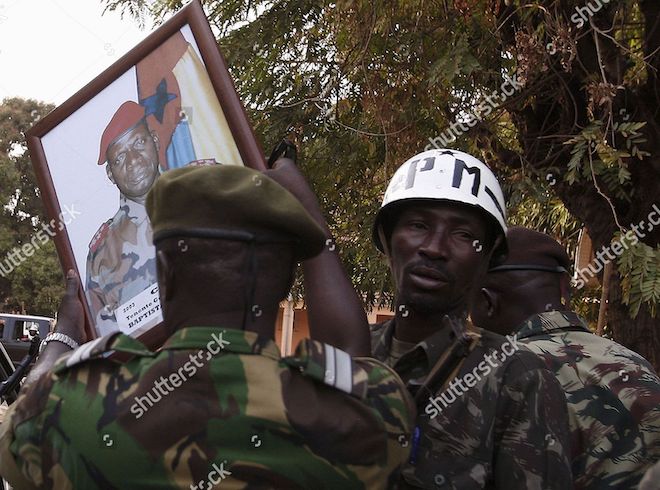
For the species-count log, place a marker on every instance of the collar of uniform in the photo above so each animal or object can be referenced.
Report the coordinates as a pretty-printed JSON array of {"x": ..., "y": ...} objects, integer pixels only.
[
  {"x": 229, "y": 339},
  {"x": 426, "y": 352},
  {"x": 549, "y": 321},
  {"x": 381, "y": 335},
  {"x": 134, "y": 210}
]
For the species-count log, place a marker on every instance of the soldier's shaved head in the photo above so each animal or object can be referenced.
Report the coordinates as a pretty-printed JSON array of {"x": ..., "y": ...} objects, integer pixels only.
[
  {"x": 203, "y": 281},
  {"x": 532, "y": 280},
  {"x": 506, "y": 299}
]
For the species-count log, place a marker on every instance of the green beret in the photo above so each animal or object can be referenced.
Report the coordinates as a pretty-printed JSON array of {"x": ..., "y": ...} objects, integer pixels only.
[
  {"x": 532, "y": 250},
  {"x": 197, "y": 199}
]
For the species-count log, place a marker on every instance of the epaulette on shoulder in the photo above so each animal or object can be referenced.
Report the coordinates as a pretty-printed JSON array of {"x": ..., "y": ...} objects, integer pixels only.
[
  {"x": 98, "y": 237},
  {"x": 90, "y": 350},
  {"x": 331, "y": 366},
  {"x": 202, "y": 163}
]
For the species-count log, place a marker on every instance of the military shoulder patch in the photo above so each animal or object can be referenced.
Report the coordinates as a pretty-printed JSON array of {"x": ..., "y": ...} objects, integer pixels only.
[
  {"x": 99, "y": 236},
  {"x": 329, "y": 365},
  {"x": 203, "y": 162},
  {"x": 90, "y": 350}
]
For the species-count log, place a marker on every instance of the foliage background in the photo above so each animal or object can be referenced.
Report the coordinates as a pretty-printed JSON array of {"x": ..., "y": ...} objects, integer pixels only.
[
  {"x": 35, "y": 286},
  {"x": 361, "y": 86}
]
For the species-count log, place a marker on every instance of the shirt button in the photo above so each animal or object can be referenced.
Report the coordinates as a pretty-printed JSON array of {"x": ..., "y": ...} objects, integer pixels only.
[{"x": 439, "y": 479}]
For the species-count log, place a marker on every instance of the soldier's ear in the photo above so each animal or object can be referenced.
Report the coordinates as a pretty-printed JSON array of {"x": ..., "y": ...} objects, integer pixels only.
[
  {"x": 492, "y": 301},
  {"x": 166, "y": 284},
  {"x": 109, "y": 172},
  {"x": 154, "y": 136}
]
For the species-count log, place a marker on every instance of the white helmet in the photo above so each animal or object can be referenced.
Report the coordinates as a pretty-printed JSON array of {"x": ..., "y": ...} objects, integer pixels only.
[{"x": 444, "y": 175}]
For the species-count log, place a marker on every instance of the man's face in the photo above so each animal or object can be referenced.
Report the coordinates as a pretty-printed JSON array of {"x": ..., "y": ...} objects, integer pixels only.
[
  {"x": 133, "y": 161},
  {"x": 437, "y": 252}
]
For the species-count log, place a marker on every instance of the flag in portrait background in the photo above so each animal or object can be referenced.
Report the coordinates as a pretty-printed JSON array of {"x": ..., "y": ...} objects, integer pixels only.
[{"x": 181, "y": 107}]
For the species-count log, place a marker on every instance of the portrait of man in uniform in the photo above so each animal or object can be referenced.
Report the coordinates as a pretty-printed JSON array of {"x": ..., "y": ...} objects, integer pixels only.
[
  {"x": 162, "y": 108},
  {"x": 121, "y": 261},
  {"x": 143, "y": 139}
]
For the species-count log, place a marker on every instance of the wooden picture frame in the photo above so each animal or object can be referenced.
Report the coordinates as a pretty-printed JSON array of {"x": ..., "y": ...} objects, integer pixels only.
[{"x": 167, "y": 103}]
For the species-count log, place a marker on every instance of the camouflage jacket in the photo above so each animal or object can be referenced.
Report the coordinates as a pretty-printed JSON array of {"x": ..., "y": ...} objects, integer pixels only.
[
  {"x": 499, "y": 421},
  {"x": 121, "y": 263},
  {"x": 212, "y": 405},
  {"x": 613, "y": 400}
]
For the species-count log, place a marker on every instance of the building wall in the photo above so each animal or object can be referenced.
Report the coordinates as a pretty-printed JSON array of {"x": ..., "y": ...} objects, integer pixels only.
[{"x": 288, "y": 338}]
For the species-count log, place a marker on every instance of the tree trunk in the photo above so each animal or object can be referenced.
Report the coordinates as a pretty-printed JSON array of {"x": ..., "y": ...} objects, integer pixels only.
[
  {"x": 641, "y": 334},
  {"x": 560, "y": 108}
]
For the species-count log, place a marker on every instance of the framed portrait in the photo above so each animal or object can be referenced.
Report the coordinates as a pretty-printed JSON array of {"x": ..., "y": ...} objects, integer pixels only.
[{"x": 168, "y": 103}]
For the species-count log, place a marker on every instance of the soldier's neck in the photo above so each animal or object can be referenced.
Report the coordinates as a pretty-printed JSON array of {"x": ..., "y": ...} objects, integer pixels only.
[
  {"x": 139, "y": 200},
  {"x": 264, "y": 324}
]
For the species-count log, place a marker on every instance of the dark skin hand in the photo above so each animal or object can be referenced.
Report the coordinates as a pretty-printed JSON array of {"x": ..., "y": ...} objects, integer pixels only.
[
  {"x": 70, "y": 321},
  {"x": 336, "y": 313}
]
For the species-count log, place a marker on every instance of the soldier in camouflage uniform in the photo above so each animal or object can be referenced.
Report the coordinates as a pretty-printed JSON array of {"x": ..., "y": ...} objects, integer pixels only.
[
  {"x": 217, "y": 403},
  {"x": 613, "y": 393},
  {"x": 490, "y": 414},
  {"x": 121, "y": 261}
]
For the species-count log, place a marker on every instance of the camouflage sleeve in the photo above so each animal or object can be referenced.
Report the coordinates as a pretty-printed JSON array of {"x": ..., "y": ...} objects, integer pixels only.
[
  {"x": 532, "y": 435},
  {"x": 96, "y": 300},
  {"x": 9, "y": 463},
  {"x": 20, "y": 433},
  {"x": 93, "y": 291},
  {"x": 388, "y": 395}
]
